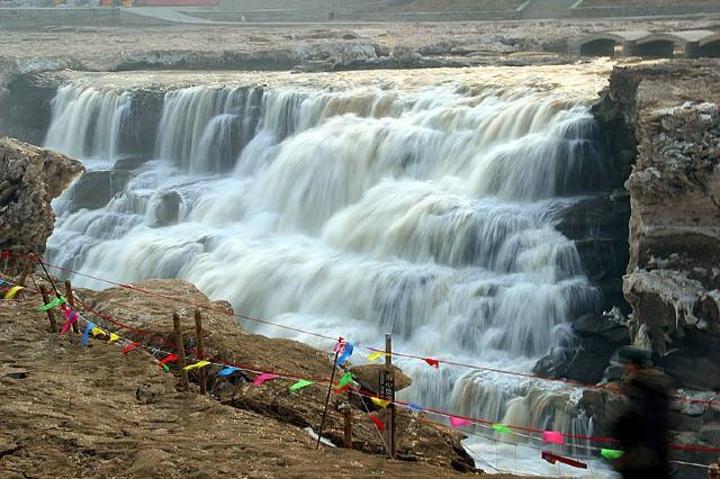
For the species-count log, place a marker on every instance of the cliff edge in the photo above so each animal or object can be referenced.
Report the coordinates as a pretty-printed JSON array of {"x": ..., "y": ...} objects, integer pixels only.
[{"x": 30, "y": 177}]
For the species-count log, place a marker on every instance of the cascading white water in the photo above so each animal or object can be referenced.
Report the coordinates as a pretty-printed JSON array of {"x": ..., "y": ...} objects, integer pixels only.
[
  {"x": 86, "y": 121},
  {"x": 358, "y": 212}
]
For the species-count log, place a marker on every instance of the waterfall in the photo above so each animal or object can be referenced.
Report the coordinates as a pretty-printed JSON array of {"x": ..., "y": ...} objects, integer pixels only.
[
  {"x": 86, "y": 122},
  {"x": 425, "y": 213}
]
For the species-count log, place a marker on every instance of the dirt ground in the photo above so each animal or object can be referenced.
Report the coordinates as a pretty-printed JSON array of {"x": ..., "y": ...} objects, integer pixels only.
[{"x": 69, "y": 411}]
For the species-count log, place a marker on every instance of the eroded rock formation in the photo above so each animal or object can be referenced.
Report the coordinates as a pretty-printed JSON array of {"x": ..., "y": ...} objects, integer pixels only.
[
  {"x": 674, "y": 270},
  {"x": 670, "y": 111},
  {"x": 30, "y": 178}
]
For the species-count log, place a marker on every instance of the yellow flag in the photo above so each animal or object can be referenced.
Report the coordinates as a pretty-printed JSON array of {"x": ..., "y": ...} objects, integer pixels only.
[
  {"x": 374, "y": 356},
  {"x": 197, "y": 365},
  {"x": 12, "y": 292},
  {"x": 98, "y": 332},
  {"x": 383, "y": 403},
  {"x": 114, "y": 338}
]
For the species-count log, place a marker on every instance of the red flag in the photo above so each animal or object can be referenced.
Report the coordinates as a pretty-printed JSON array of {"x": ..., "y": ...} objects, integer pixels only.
[
  {"x": 130, "y": 347},
  {"x": 170, "y": 358},
  {"x": 342, "y": 389},
  {"x": 378, "y": 422},
  {"x": 433, "y": 362},
  {"x": 552, "y": 458}
]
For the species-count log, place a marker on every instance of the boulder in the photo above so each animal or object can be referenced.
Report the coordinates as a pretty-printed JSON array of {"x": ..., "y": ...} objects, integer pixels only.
[
  {"x": 165, "y": 209},
  {"x": 369, "y": 375},
  {"x": 692, "y": 371},
  {"x": 96, "y": 188},
  {"x": 30, "y": 177}
]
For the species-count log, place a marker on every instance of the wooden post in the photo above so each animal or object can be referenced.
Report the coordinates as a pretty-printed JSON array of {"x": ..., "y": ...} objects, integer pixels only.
[
  {"x": 327, "y": 400},
  {"x": 202, "y": 375},
  {"x": 388, "y": 392},
  {"x": 51, "y": 316},
  {"x": 180, "y": 346},
  {"x": 71, "y": 299},
  {"x": 347, "y": 423}
]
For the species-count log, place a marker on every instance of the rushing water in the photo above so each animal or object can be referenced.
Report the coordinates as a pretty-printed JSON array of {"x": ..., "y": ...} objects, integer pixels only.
[{"x": 355, "y": 212}]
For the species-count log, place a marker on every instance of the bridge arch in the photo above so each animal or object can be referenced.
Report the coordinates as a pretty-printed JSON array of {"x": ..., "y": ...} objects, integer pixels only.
[
  {"x": 603, "y": 44},
  {"x": 709, "y": 46},
  {"x": 658, "y": 45}
]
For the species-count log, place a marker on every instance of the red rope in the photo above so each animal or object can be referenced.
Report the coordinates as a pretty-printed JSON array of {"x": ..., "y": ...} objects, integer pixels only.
[
  {"x": 569, "y": 382},
  {"x": 365, "y": 393}
]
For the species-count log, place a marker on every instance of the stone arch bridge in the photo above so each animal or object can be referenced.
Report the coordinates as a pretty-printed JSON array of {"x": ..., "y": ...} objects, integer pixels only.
[{"x": 689, "y": 44}]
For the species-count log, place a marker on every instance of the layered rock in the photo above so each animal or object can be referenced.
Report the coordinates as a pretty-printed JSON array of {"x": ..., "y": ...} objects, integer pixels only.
[
  {"x": 674, "y": 269},
  {"x": 671, "y": 284},
  {"x": 30, "y": 178}
]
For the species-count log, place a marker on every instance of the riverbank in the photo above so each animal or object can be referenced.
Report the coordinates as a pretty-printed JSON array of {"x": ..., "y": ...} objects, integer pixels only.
[{"x": 72, "y": 411}]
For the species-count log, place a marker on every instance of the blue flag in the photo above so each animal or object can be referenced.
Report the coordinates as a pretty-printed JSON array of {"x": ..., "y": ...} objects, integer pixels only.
[
  {"x": 227, "y": 371},
  {"x": 86, "y": 333},
  {"x": 347, "y": 352}
]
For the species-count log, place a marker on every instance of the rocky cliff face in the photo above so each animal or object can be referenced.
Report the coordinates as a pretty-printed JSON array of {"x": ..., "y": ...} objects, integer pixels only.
[
  {"x": 663, "y": 120},
  {"x": 30, "y": 178},
  {"x": 673, "y": 274}
]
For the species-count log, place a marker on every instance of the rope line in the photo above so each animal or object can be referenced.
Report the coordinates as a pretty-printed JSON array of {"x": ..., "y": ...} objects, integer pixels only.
[
  {"x": 567, "y": 382},
  {"x": 368, "y": 394}
]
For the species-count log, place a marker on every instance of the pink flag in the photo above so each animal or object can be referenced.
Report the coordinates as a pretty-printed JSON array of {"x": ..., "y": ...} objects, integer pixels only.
[
  {"x": 264, "y": 377},
  {"x": 553, "y": 437},
  {"x": 459, "y": 422},
  {"x": 71, "y": 316}
]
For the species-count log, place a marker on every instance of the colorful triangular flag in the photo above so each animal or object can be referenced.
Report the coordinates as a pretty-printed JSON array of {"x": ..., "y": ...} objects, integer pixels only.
[
  {"x": 378, "y": 422},
  {"x": 457, "y": 422},
  {"x": 433, "y": 362},
  {"x": 197, "y": 365},
  {"x": 303, "y": 383}
]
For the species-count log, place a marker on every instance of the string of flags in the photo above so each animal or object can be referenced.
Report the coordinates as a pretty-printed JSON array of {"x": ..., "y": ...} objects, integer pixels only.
[
  {"x": 346, "y": 382},
  {"x": 373, "y": 356}
]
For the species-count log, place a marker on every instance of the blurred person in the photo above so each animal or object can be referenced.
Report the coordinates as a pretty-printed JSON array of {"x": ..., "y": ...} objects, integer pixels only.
[
  {"x": 714, "y": 470},
  {"x": 642, "y": 426}
]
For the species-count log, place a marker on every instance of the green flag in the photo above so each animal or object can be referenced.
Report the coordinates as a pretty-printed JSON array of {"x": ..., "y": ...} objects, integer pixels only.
[
  {"x": 501, "y": 428},
  {"x": 346, "y": 379},
  {"x": 611, "y": 454},
  {"x": 303, "y": 383},
  {"x": 52, "y": 304}
]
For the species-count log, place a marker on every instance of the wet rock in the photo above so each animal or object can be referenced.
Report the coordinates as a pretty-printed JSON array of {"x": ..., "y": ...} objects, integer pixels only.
[
  {"x": 25, "y": 108},
  {"x": 710, "y": 433},
  {"x": 692, "y": 371},
  {"x": 166, "y": 209},
  {"x": 96, "y": 188},
  {"x": 585, "y": 363},
  {"x": 128, "y": 163},
  {"x": 599, "y": 228}
]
